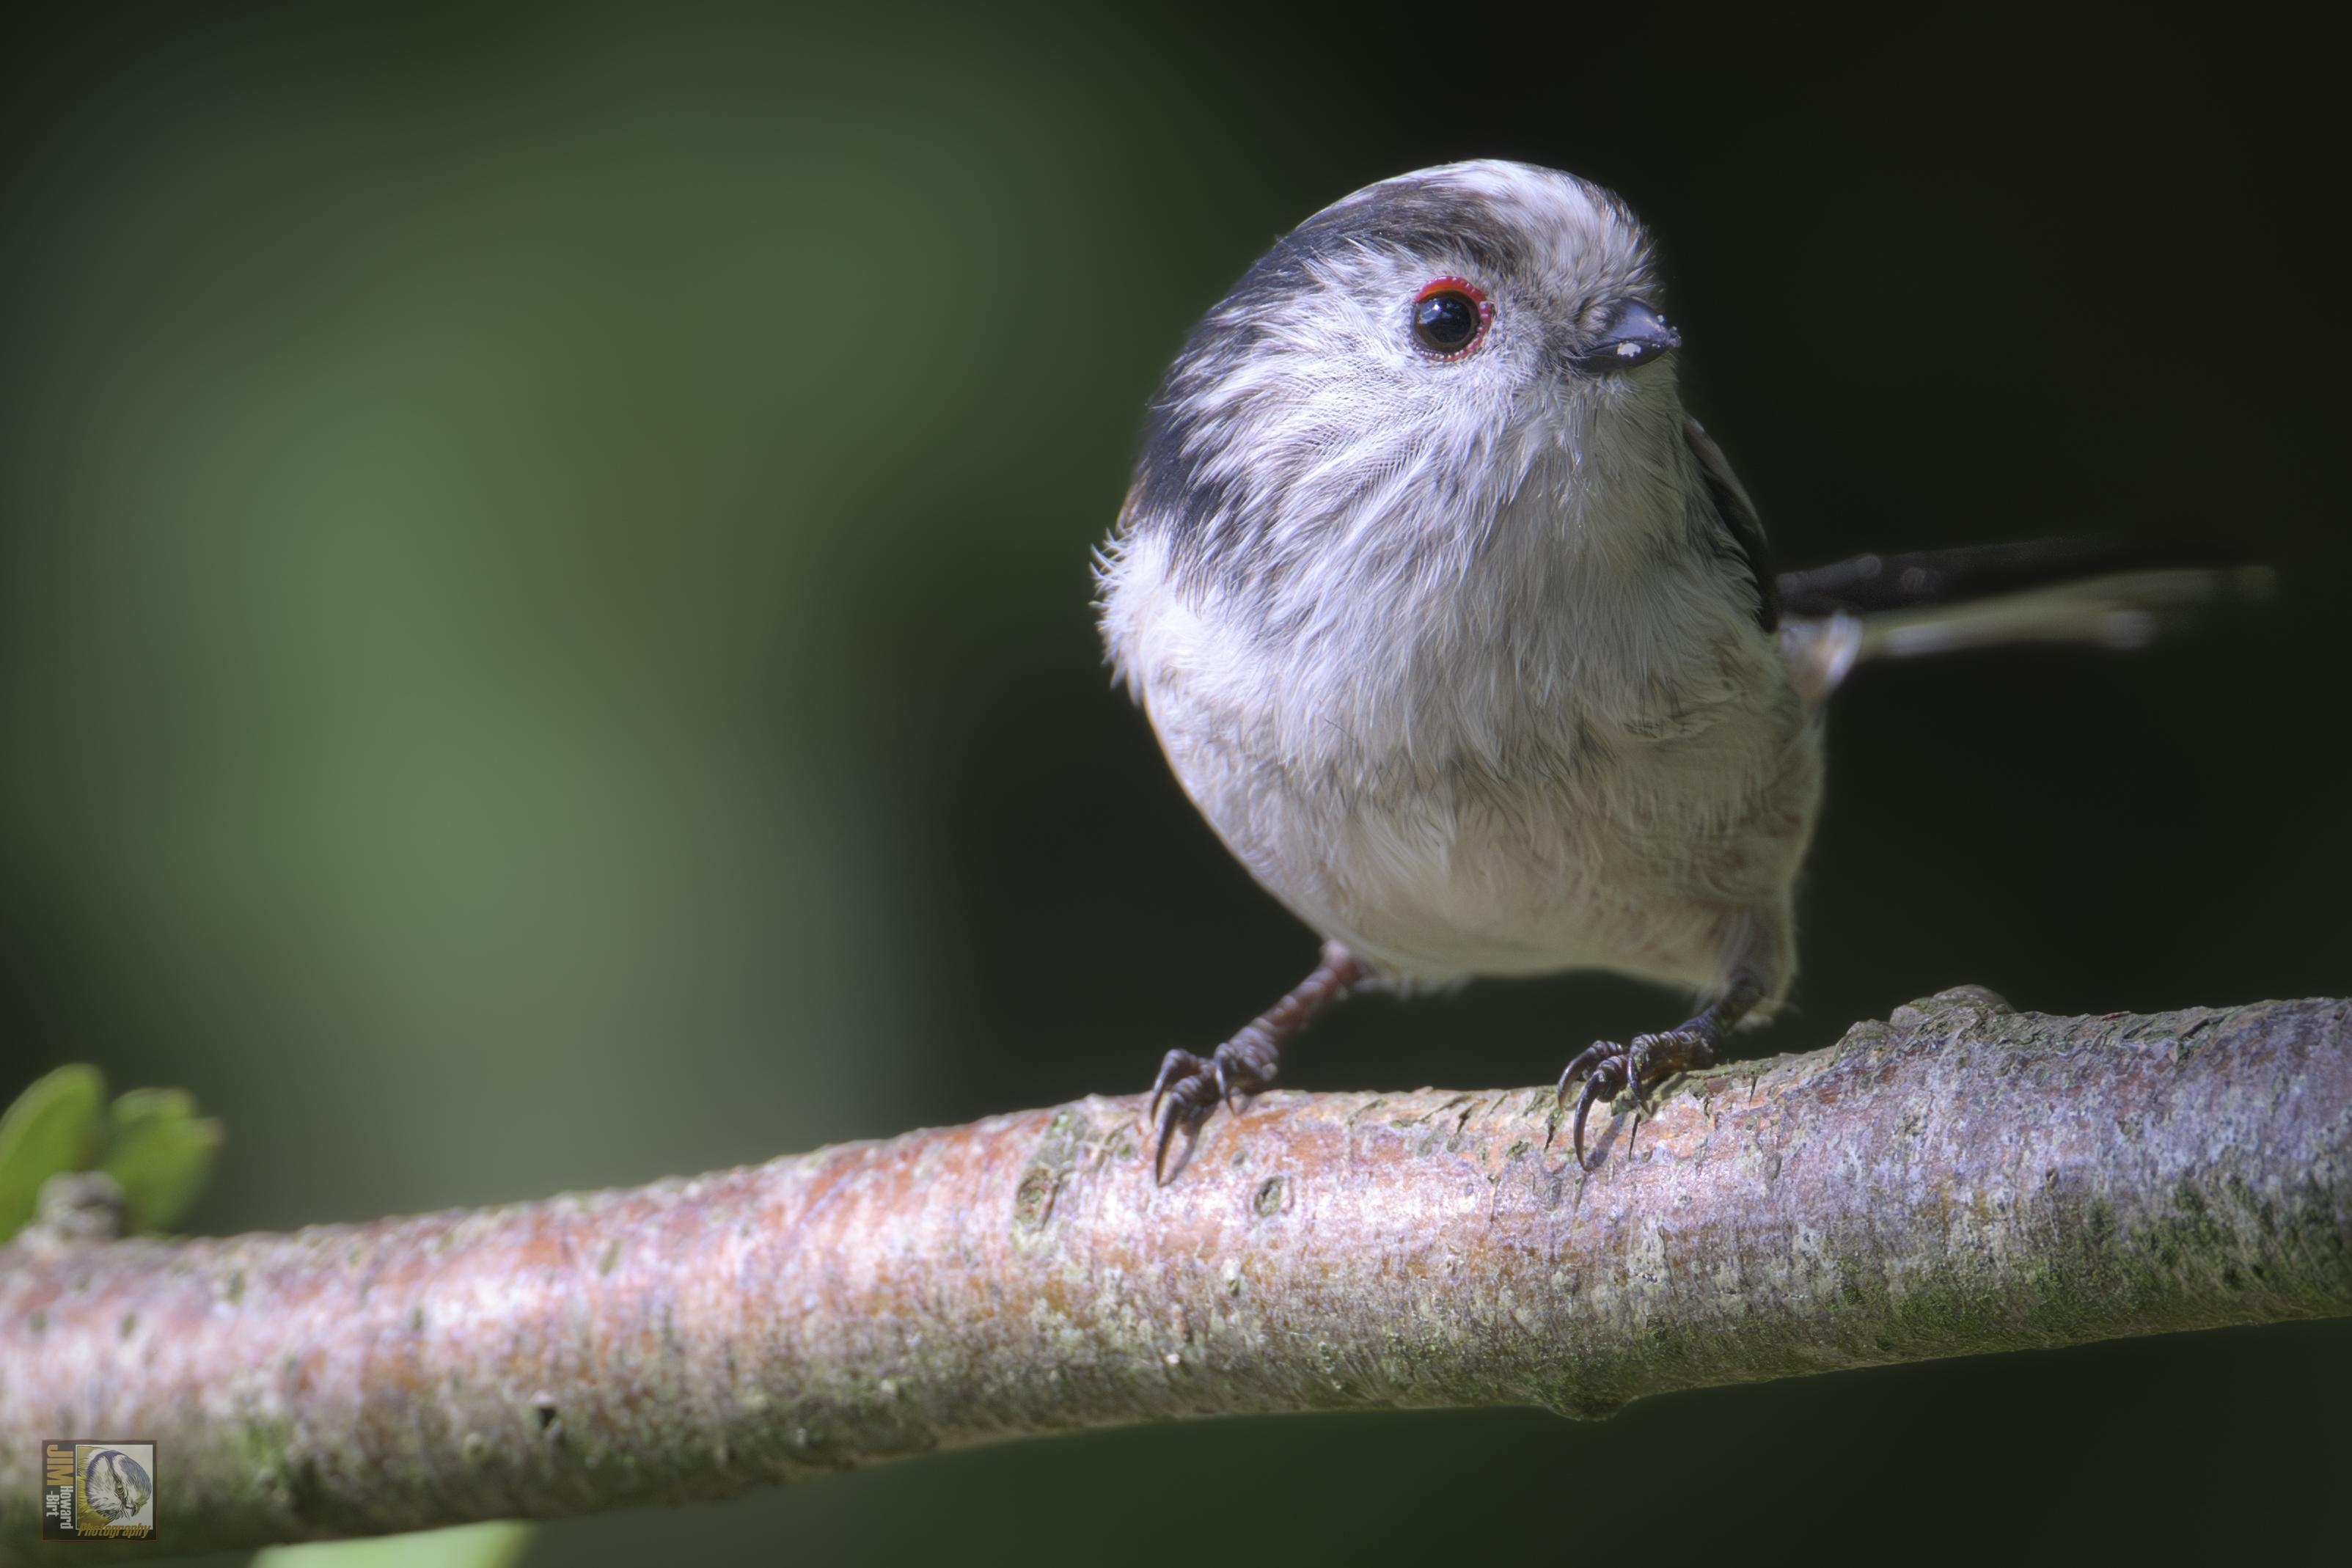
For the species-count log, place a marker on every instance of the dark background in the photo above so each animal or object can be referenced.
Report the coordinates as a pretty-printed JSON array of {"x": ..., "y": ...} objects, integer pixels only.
[{"x": 545, "y": 643}]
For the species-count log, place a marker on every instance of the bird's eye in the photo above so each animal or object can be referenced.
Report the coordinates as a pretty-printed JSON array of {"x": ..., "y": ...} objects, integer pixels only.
[{"x": 1450, "y": 316}]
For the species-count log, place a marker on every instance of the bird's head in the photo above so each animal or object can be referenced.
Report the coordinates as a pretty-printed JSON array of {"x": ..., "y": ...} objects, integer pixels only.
[{"x": 1401, "y": 369}]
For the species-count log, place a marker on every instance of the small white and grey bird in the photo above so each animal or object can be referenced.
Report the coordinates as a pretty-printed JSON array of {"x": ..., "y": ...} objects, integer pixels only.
[{"x": 1464, "y": 637}]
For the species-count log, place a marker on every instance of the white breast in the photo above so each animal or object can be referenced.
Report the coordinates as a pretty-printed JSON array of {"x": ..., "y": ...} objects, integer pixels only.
[{"x": 1547, "y": 760}]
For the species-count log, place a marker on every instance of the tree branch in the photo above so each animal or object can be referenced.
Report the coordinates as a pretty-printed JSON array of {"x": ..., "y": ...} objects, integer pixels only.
[{"x": 1959, "y": 1180}]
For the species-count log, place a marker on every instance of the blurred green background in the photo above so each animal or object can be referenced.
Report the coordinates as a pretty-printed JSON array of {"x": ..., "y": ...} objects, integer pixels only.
[{"x": 543, "y": 615}]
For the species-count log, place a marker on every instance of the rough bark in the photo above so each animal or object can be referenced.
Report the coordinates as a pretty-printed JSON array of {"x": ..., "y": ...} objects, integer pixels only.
[{"x": 1961, "y": 1179}]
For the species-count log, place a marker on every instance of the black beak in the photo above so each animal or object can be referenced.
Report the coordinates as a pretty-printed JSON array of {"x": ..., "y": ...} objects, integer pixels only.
[{"x": 1635, "y": 334}]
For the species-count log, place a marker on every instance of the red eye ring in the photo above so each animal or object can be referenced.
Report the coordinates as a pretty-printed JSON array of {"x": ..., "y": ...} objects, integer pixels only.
[{"x": 1450, "y": 316}]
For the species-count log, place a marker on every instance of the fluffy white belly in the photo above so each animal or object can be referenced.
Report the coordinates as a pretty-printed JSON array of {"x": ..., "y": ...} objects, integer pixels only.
[
  {"x": 1494, "y": 817},
  {"x": 1482, "y": 873}
]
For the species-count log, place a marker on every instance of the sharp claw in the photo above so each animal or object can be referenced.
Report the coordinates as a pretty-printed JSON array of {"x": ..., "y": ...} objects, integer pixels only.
[
  {"x": 1584, "y": 1104},
  {"x": 1585, "y": 1063},
  {"x": 1167, "y": 1136},
  {"x": 1181, "y": 1098},
  {"x": 1592, "y": 1063},
  {"x": 1607, "y": 1067},
  {"x": 1171, "y": 1066}
]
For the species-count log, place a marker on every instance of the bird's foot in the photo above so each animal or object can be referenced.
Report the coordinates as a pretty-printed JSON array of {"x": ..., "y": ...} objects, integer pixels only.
[
  {"x": 1608, "y": 1067},
  {"x": 1190, "y": 1086}
]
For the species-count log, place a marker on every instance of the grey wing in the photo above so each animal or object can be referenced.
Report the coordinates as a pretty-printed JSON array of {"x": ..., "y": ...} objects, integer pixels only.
[{"x": 1740, "y": 530}]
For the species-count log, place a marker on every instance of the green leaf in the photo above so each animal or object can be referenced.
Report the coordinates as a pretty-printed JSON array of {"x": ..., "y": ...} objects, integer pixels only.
[
  {"x": 162, "y": 1153},
  {"x": 465, "y": 1546},
  {"x": 57, "y": 1125}
]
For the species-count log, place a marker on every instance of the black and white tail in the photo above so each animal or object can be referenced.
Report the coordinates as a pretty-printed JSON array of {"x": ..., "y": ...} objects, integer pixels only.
[{"x": 2110, "y": 593}]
